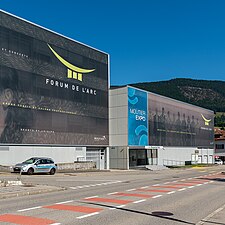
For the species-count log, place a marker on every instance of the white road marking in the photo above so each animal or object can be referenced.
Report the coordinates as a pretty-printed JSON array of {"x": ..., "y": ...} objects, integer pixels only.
[
  {"x": 199, "y": 184},
  {"x": 74, "y": 180},
  {"x": 94, "y": 185},
  {"x": 139, "y": 201},
  {"x": 115, "y": 207},
  {"x": 120, "y": 206},
  {"x": 210, "y": 216},
  {"x": 134, "y": 189},
  {"x": 87, "y": 215},
  {"x": 95, "y": 196},
  {"x": 144, "y": 187},
  {"x": 55, "y": 224},
  {"x": 157, "y": 196},
  {"x": 191, "y": 187},
  {"x": 182, "y": 189},
  {"x": 155, "y": 185},
  {"x": 59, "y": 203},
  {"x": 113, "y": 193},
  {"x": 171, "y": 192},
  {"x": 28, "y": 209}
]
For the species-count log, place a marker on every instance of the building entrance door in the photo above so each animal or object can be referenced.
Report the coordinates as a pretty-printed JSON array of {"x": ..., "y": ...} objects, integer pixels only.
[
  {"x": 96, "y": 155},
  {"x": 137, "y": 157},
  {"x": 152, "y": 155}
]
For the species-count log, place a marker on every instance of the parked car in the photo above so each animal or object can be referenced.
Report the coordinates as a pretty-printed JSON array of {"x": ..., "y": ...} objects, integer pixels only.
[
  {"x": 218, "y": 161},
  {"x": 36, "y": 165}
]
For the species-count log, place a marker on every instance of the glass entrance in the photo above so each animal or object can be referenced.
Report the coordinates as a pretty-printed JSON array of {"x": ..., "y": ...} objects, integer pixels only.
[
  {"x": 138, "y": 157},
  {"x": 152, "y": 155}
]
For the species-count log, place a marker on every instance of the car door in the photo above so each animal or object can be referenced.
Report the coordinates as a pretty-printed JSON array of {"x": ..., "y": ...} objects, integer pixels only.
[
  {"x": 37, "y": 166},
  {"x": 42, "y": 166}
]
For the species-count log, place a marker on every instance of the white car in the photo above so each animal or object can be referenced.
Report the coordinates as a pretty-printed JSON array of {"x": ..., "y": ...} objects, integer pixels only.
[
  {"x": 36, "y": 165},
  {"x": 218, "y": 161}
]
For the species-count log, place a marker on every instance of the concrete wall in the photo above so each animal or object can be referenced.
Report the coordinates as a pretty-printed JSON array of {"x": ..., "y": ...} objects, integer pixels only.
[
  {"x": 118, "y": 113},
  {"x": 183, "y": 154},
  {"x": 70, "y": 167},
  {"x": 119, "y": 158},
  {"x": 10, "y": 155}
]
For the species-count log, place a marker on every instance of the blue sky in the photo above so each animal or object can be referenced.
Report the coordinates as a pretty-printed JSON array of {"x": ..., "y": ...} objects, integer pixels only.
[{"x": 148, "y": 40}]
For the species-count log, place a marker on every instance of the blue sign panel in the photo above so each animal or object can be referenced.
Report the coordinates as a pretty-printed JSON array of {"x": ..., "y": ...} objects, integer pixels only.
[{"x": 137, "y": 117}]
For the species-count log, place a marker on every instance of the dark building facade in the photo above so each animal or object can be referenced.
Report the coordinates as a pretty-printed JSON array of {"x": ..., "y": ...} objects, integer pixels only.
[{"x": 53, "y": 90}]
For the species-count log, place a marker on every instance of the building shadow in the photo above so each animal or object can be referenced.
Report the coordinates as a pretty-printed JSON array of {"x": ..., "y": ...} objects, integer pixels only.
[{"x": 161, "y": 215}]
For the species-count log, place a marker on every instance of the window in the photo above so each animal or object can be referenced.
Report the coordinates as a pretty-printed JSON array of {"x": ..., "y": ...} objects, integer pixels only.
[{"x": 219, "y": 146}]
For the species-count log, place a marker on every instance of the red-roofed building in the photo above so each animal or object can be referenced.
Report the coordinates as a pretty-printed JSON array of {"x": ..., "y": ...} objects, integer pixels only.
[{"x": 219, "y": 143}]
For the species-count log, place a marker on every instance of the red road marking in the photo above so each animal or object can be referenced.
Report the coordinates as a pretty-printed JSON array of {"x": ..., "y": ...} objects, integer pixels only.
[
  {"x": 197, "y": 182},
  {"x": 185, "y": 184},
  {"x": 153, "y": 190},
  {"x": 134, "y": 195},
  {"x": 24, "y": 220},
  {"x": 73, "y": 208},
  {"x": 108, "y": 200},
  {"x": 167, "y": 186}
]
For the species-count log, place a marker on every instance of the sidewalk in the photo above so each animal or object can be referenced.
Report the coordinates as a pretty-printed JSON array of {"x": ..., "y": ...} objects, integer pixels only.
[
  {"x": 25, "y": 189},
  {"x": 216, "y": 217}
]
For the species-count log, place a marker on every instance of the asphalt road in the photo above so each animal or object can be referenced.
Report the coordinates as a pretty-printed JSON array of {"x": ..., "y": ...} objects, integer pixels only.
[{"x": 120, "y": 197}]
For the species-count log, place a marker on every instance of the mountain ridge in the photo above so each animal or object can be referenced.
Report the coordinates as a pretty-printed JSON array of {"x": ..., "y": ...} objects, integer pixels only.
[{"x": 209, "y": 94}]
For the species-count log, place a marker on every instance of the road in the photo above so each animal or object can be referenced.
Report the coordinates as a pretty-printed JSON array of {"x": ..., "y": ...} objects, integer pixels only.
[{"x": 120, "y": 197}]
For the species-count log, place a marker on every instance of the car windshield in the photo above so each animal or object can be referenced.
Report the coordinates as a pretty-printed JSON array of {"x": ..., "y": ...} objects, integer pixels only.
[{"x": 30, "y": 161}]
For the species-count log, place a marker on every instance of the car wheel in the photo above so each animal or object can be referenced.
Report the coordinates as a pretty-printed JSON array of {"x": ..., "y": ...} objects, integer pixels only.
[
  {"x": 30, "y": 171},
  {"x": 52, "y": 171}
]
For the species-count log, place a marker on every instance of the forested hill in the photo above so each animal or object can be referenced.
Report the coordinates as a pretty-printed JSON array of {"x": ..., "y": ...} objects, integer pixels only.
[{"x": 204, "y": 93}]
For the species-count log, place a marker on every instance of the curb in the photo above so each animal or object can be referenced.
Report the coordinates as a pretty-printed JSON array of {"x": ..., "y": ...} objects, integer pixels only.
[{"x": 32, "y": 192}]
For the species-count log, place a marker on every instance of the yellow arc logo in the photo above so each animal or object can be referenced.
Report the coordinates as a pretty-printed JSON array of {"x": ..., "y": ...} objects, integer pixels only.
[
  {"x": 206, "y": 120},
  {"x": 72, "y": 71}
]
